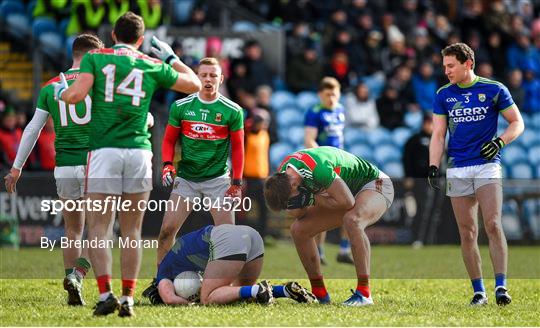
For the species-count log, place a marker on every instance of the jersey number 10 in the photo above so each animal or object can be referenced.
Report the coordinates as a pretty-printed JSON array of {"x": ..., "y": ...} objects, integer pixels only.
[
  {"x": 135, "y": 76},
  {"x": 73, "y": 112}
]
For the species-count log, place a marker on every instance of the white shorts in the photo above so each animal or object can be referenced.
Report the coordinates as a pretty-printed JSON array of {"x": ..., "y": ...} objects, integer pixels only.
[
  {"x": 119, "y": 170},
  {"x": 70, "y": 181},
  {"x": 383, "y": 185},
  {"x": 213, "y": 188},
  {"x": 235, "y": 243},
  {"x": 464, "y": 181}
]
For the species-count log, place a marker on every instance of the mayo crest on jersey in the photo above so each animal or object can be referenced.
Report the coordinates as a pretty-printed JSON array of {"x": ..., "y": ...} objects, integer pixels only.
[
  {"x": 320, "y": 166},
  {"x": 472, "y": 112},
  {"x": 190, "y": 252},
  {"x": 205, "y": 129},
  {"x": 329, "y": 123},
  {"x": 71, "y": 122}
]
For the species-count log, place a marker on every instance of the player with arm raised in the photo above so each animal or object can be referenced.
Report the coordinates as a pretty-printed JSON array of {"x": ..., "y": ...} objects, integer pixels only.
[
  {"x": 325, "y": 188},
  {"x": 207, "y": 125},
  {"x": 120, "y": 159},
  {"x": 231, "y": 257},
  {"x": 71, "y": 145},
  {"x": 468, "y": 107}
]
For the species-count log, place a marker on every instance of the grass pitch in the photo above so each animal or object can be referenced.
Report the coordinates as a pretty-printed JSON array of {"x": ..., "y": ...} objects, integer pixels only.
[{"x": 426, "y": 287}]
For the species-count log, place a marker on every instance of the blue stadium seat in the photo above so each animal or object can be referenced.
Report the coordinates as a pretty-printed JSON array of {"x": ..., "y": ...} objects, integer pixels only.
[
  {"x": 295, "y": 135},
  {"x": 387, "y": 153},
  {"x": 535, "y": 119},
  {"x": 512, "y": 154},
  {"x": 413, "y": 120},
  {"x": 394, "y": 169},
  {"x": 278, "y": 151},
  {"x": 289, "y": 116},
  {"x": 401, "y": 135},
  {"x": 354, "y": 136},
  {"x": 528, "y": 138},
  {"x": 521, "y": 170},
  {"x": 243, "y": 26},
  {"x": 13, "y": 16},
  {"x": 534, "y": 154},
  {"x": 379, "y": 136},
  {"x": 510, "y": 220},
  {"x": 306, "y": 100},
  {"x": 362, "y": 150},
  {"x": 45, "y": 30},
  {"x": 282, "y": 99}
]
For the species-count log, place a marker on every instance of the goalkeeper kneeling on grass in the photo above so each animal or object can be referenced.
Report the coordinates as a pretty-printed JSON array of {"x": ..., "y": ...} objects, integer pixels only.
[
  {"x": 325, "y": 188},
  {"x": 231, "y": 257}
]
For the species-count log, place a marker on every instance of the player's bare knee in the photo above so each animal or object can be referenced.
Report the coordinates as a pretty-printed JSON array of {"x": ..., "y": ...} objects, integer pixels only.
[
  {"x": 493, "y": 228},
  {"x": 298, "y": 231},
  {"x": 353, "y": 221},
  {"x": 469, "y": 236}
]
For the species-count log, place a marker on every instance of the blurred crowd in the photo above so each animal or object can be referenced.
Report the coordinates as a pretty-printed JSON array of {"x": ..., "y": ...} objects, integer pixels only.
[{"x": 385, "y": 53}]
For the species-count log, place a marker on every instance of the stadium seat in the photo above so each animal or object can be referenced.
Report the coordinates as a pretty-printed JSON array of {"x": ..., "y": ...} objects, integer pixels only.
[
  {"x": 13, "y": 16},
  {"x": 401, "y": 135},
  {"x": 535, "y": 120},
  {"x": 512, "y": 154},
  {"x": 288, "y": 117},
  {"x": 413, "y": 120},
  {"x": 528, "y": 138},
  {"x": 386, "y": 153},
  {"x": 521, "y": 170},
  {"x": 278, "y": 152},
  {"x": 510, "y": 220},
  {"x": 45, "y": 30},
  {"x": 306, "y": 100},
  {"x": 282, "y": 99},
  {"x": 355, "y": 136},
  {"x": 534, "y": 154},
  {"x": 394, "y": 169},
  {"x": 295, "y": 135},
  {"x": 362, "y": 150},
  {"x": 379, "y": 136},
  {"x": 244, "y": 26}
]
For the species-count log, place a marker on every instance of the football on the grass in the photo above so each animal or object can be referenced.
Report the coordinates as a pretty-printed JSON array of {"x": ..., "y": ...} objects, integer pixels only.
[{"x": 188, "y": 285}]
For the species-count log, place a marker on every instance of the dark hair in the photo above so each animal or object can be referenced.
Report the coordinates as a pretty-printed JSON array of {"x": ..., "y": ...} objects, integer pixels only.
[
  {"x": 129, "y": 28},
  {"x": 277, "y": 190},
  {"x": 461, "y": 51},
  {"x": 84, "y": 43}
]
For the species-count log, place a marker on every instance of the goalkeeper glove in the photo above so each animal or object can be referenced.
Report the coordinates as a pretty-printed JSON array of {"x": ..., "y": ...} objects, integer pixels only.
[
  {"x": 235, "y": 190},
  {"x": 60, "y": 87},
  {"x": 304, "y": 198},
  {"x": 163, "y": 51},
  {"x": 433, "y": 177},
  {"x": 168, "y": 173},
  {"x": 490, "y": 149}
]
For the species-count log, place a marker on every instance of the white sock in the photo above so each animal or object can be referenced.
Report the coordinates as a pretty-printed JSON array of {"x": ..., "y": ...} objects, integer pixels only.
[
  {"x": 254, "y": 290},
  {"x": 78, "y": 274},
  {"x": 129, "y": 300},
  {"x": 103, "y": 297}
]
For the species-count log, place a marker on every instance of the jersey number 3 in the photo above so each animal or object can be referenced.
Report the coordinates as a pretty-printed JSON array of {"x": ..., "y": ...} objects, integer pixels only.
[{"x": 134, "y": 77}]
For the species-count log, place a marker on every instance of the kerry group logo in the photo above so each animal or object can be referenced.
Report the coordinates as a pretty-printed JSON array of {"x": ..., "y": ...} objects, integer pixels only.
[
  {"x": 473, "y": 114},
  {"x": 202, "y": 128}
]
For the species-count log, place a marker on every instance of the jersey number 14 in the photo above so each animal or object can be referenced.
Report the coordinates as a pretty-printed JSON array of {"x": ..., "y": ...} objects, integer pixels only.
[{"x": 134, "y": 77}]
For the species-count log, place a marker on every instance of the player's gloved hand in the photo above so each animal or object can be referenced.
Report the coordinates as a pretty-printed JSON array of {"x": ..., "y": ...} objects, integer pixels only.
[
  {"x": 433, "y": 177},
  {"x": 149, "y": 120},
  {"x": 163, "y": 51},
  {"x": 304, "y": 198},
  {"x": 490, "y": 149},
  {"x": 168, "y": 173},
  {"x": 235, "y": 190},
  {"x": 60, "y": 87}
]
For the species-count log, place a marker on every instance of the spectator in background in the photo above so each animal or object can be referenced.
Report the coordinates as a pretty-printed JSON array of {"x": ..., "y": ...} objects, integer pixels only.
[
  {"x": 338, "y": 21},
  {"x": 485, "y": 70},
  {"x": 197, "y": 20},
  {"x": 45, "y": 147},
  {"x": 150, "y": 11},
  {"x": 497, "y": 54},
  {"x": 56, "y": 9},
  {"x": 402, "y": 82},
  {"x": 213, "y": 49},
  {"x": 407, "y": 17},
  {"x": 441, "y": 31},
  {"x": 395, "y": 55},
  {"x": 86, "y": 16},
  {"x": 416, "y": 166},
  {"x": 423, "y": 47},
  {"x": 339, "y": 67},
  {"x": 191, "y": 62},
  {"x": 257, "y": 163},
  {"x": 531, "y": 86},
  {"x": 239, "y": 81},
  {"x": 258, "y": 72},
  {"x": 424, "y": 86},
  {"x": 116, "y": 8},
  {"x": 263, "y": 96},
  {"x": 480, "y": 53},
  {"x": 390, "y": 108},
  {"x": 361, "y": 111},
  {"x": 305, "y": 72},
  {"x": 522, "y": 53},
  {"x": 373, "y": 53},
  {"x": 298, "y": 40},
  {"x": 515, "y": 80},
  {"x": 10, "y": 136}
]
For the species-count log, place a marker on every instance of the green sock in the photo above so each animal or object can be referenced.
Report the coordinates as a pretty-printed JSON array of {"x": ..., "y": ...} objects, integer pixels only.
[
  {"x": 83, "y": 264},
  {"x": 68, "y": 271}
]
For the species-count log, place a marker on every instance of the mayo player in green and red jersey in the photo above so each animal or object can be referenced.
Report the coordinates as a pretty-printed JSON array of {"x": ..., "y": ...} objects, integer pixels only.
[
  {"x": 71, "y": 146},
  {"x": 122, "y": 80},
  {"x": 325, "y": 188},
  {"x": 207, "y": 125}
]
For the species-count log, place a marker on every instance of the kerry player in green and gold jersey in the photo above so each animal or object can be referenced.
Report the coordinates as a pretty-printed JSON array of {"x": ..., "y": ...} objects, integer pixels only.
[
  {"x": 325, "y": 188},
  {"x": 71, "y": 145},
  {"x": 123, "y": 81}
]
